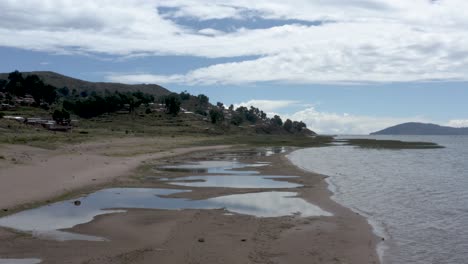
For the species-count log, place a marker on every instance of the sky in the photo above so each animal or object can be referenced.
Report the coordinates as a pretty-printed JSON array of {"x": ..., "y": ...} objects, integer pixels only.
[{"x": 341, "y": 66}]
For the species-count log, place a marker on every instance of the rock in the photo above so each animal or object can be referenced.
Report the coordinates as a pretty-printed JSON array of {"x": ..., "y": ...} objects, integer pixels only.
[
  {"x": 243, "y": 240},
  {"x": 5, "y": 210},
  {"x": 201, "y": 240},
  {"x": 77, "y": 203}
]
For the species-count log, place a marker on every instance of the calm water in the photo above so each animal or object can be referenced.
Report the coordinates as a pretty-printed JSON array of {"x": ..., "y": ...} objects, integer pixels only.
[
  {"x": 20, "y": 261},
  {"x": 417, "y": 199},
  {"x": 236, "y": 181},
  {"x": 49, "y": 221},
  {"x": 230, "y": 167}
]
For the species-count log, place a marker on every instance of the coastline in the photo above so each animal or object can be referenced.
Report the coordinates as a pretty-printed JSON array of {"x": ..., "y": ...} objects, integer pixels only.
[
  {"x": 345, "y": 237},
  {"x": 376, "y": 229}
]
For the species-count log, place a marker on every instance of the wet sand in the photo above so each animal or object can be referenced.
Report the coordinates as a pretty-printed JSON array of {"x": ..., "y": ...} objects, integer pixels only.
[
  {"x": 211, "y": 236},
  {"x": 36, "y": 175}
]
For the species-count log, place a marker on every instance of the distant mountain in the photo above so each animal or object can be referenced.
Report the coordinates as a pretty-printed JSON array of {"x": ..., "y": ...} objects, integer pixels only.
[
  {"x": 414, "y": 128},
  {"x": 59, "y": 81}
]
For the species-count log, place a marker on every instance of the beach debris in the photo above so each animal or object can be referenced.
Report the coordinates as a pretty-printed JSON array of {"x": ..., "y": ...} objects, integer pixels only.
[
  {"x": 201, "y": 240},
  {"x": 77, "y": 202}
]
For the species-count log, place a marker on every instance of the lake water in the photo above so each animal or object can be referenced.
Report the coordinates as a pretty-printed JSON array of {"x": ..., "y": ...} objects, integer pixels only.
[{"x": 416, "y": 199}]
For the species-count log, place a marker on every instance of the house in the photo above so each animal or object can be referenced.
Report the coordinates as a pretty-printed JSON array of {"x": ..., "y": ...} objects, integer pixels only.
[
  {"x": 16, "y": 118},
  {"x": 6, "y": 107},
  {"x": 26, "y": 100}
]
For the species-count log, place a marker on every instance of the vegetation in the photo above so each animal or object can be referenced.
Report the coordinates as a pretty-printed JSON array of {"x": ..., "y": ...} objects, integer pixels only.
[
  {"x": 216, "y": 116},
  {"x": 120, "y": 113},
  {"x": 61, "y": 116},
  {"x": 389, "y": 144},
  {"x": 172, "y": 103}
]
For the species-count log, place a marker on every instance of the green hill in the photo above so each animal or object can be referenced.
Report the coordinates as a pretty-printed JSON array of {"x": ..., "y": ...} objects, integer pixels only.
[
  {"x": 414, "y": 128},
  {"x": 58, "y": 80}
]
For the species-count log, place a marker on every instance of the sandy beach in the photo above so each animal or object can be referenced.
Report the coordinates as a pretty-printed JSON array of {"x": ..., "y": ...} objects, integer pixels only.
[
  {"x": 177, "y": 236},
  {"x": 32, "y": 175}
]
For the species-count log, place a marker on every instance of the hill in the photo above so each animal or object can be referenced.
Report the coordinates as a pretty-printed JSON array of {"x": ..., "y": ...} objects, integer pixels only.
[
  {"x": 414, "y": 128},
  {"x": 58, "y": 80}
]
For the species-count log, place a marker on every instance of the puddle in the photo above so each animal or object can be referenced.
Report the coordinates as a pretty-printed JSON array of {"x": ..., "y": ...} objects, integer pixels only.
[
  {"x": 20, "y": 261},
  {"x": 215, "y": 167},
  {"x": 258, "y": 152},
  {"x": 48, "y": 221},
  {"x": 267, "y": 204},
  {"x": 232, "y": 181}
]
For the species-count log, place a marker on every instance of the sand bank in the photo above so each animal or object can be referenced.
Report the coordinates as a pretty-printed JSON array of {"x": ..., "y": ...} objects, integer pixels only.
[
  {"x": 32, "y": 174},
  {"x": 211, "y": 236}
]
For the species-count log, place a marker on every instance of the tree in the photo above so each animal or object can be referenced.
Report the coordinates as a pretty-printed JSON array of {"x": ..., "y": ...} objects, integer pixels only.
[
  {"x": 61, "y": 116},
  {"x": 299, "y": 126},
  {"x": 3, "y": 83},
  {"x": 288, "y": 125},
  {"x": 64, "y": 91},
  {"x": 84, "y": 94},
  {"x": 49, "y": 94},
  {"x": 276, "y": 120},
  {"x": 216, "y": 116},
  {"x": 15, "y": 84},
  {"x": 236, "y": 119},
  {"x": 203, "y": 99},
  {"x": 172, "y": 104},
  {"x": 184, "y": 96},
  {"x": 220, "y": 105}
]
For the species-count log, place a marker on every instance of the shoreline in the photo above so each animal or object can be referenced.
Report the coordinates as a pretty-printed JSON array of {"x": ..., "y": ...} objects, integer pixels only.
[
  {"x": 377, "y": 229},
  {"x": 343, "y": 237}
]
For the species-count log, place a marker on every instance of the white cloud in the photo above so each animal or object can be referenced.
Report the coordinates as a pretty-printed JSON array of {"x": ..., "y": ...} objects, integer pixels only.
[
  {"x": 458, "y": 123},
  {"x": 268, "y": 106},
  {"x": 333, "y": 123},
  {"x": 368, "y": 40}
]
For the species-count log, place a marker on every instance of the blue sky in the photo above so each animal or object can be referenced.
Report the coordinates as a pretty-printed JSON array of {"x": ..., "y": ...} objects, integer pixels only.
[{"x": 341, "y": 66}]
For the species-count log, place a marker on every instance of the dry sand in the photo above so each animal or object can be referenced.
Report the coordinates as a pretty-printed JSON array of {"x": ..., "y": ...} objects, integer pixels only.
[
  {"x": 31, "y": 174},
  {"x": 163, "y": 236}
]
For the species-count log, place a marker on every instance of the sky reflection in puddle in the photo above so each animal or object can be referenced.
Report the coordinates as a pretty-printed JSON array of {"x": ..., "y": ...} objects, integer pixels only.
[
  {"x": 46, "y": 221},
  {"x": 19, "y": 261},
  {"x": 215, "y": 167},
  {"x": 233, "y": 181}
]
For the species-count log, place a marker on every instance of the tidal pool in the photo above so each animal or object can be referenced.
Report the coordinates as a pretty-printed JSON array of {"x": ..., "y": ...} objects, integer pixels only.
[
  {"x": 235, "y": 181},
  {"x": 20, "y": 261},
  {"x": 215, "y": 167},
  {"x": 49, "y": 221}
]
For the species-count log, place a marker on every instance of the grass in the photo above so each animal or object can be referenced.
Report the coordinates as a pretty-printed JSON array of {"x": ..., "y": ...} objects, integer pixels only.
[
  {"x": 390, "y": 144},
  {"x": 186, "y": 128}
]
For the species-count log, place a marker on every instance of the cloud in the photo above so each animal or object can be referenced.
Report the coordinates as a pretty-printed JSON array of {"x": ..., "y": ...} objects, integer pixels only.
[
  {"x": 333, "y": 123},
  {"x": 268, "y": 106},
  {"x": 458, "y": 123},
  {"x": 368, "y": 41}
]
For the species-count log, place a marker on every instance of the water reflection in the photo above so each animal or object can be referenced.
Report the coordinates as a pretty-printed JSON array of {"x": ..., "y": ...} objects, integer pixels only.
[
  {"x": 19, "y": 261},
  {"x": 47, "y": 221},
  {"x": 232, "y": 181},
  {"x": 215, "y": 167}
]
